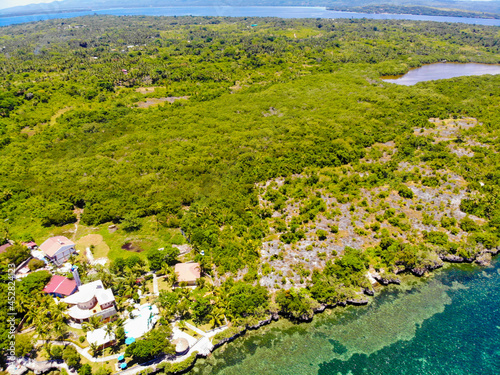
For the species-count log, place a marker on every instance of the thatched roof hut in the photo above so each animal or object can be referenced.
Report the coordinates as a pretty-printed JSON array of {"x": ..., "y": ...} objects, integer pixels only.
[{"x": 181, "y": 346}]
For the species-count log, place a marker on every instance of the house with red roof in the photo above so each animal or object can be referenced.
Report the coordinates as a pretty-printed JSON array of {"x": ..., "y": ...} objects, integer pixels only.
[
  {"x": 58, "y": 249},
  {"x": 4, "y": 248},
  {"x": 60, "y": 286}
]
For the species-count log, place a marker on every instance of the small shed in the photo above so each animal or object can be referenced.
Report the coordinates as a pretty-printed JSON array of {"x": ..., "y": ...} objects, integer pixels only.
[
  {"x": 188, "y": 272},
  {"x": 30, "y": 245}
]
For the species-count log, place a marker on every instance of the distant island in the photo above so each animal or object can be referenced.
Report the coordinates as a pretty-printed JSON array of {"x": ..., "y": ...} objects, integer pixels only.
[
  {"x": 472, "y": 9},
  {"x": 415, "y": 10}
]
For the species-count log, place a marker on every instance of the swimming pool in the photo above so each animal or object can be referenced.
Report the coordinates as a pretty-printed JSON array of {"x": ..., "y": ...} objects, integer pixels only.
[{"x": 144, "y": 319}]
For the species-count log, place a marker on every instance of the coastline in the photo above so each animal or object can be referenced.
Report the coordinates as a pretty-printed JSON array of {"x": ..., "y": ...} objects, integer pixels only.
[{"x": 482, "y": 259}]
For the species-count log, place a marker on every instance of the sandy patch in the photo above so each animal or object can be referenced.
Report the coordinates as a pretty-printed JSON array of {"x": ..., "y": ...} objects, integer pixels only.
[
  {"x": 100, "y": 249},
  {"x": 156, "y": 101},
  {"x": 58, "y": 114},
  {"x": 145, "y": 90}
]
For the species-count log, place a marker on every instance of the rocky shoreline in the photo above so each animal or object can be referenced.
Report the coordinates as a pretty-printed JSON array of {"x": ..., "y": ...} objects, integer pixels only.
[{"x": 483, "y": 259}]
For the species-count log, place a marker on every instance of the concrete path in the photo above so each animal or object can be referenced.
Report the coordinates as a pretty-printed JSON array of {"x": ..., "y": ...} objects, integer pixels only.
[
  {"x": 90, "y": 256},
  {"x": 178, "y": 334},
  {"x": 215, "y": 331},
  {"x": 196, "y": 329},
  {"x": 203, "y": 346},
  {"x": 155, "y": 285}
]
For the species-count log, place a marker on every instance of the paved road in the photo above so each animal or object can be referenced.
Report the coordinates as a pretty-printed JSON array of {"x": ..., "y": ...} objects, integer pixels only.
[{"x": 155, "y": 285}]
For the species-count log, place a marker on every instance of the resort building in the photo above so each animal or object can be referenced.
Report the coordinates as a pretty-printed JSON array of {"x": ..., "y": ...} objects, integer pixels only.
[
  {"x": 187, "y": 272},
  {"x": 91, "y": 300},
  {"x": 60, "y": 286},
  {"x": 58, "y": 249}
]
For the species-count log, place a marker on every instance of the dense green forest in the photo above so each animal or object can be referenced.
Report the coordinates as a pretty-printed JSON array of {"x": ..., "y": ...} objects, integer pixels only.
[{"x": 218, "y": 126}]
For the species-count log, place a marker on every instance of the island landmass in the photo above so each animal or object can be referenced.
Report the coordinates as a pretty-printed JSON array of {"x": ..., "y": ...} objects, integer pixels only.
[{"x": 170, "y": 182}]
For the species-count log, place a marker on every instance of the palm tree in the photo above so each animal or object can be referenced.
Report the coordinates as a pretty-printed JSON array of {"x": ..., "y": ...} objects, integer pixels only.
[
  {"x": 109, "y": 329},
  {"x": 171, "y": 278},
  {"x": 216, "y": 317},
  {"x": 60, "y": 329},
  {"x": 104, "y": 276},
  {"x": 95, "y": 322},
  {"x": 165, "y": 269},
  {"x": 94, "y": 348},
  {"x": 182, "y": 325},
  {"x": 92, "y": 324},
  {"x": 118, "y": 323}
]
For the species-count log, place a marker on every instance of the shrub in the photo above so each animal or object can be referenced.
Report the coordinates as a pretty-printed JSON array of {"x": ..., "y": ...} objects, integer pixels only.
[
  {"x": 86, "y": 369},
  {"x": 436, "y": 238},
  {"x": 322, "y": 234},
  {"x": 405, "y": 192},
  {"x": 448, "y": 222},
  {"x": 468, "y": 225},
  {"x": 430, "y": 181},
  {"x": 24, "y": 345},
  {"x": 56, "y": 351},
  {"x": 71, "y": 356},
  {"x": 35, "y": 264}
]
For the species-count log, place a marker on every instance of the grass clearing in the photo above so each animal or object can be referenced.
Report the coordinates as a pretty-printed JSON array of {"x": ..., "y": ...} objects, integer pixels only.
[
  {"x": 163, "y": 284},
  {"x": 101, "y": 248}
]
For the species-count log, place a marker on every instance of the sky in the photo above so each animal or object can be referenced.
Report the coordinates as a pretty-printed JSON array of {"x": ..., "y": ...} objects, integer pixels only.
[{"x": 13, "y": 3}]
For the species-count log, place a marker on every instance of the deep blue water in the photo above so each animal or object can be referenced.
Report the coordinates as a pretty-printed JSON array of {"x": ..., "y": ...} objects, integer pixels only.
[
  {"x": 447, "y": 324},
  {"x": 283, "y": 12}
]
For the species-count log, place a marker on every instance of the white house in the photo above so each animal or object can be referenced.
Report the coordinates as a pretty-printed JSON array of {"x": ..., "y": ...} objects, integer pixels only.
[
  {"x": 91, "y": 299},
  {"x": 58, "y": 249},
  {"x": 100, "y": 337}
]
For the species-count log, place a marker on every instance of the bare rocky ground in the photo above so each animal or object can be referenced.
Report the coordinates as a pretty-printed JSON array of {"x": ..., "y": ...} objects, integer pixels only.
[
  {"x": 155, "y": 101},
  {"x": 291, "y": 265}
]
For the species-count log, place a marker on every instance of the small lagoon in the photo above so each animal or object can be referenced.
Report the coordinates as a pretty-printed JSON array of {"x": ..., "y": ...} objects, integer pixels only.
[{"x": 437, "y": 71}]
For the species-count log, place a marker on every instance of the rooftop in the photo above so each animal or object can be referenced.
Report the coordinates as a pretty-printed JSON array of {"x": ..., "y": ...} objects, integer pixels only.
[
  {"x": 187, "y": 272},
  {"x": 90, "y": 290},
  {"x": 53, "y": 244},
  {"x": 99, "y": 336},
  {"x": 60, "y": 285},
  {"x": 4, "y": 248}
]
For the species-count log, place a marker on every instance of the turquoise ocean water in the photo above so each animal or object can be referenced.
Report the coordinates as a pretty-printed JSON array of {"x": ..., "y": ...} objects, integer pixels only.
[
  {"x": 448, "y": 323},
  {"x": 231, "y": 11}
]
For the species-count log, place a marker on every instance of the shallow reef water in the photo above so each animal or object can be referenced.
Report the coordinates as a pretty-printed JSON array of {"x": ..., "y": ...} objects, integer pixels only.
[{"x": 448, "y": 323}]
